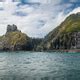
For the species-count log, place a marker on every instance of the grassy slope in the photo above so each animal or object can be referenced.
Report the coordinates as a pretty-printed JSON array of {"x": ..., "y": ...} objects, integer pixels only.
[
  {"x": 12, "y": 39},
  {"x": 63, "y": 32}
]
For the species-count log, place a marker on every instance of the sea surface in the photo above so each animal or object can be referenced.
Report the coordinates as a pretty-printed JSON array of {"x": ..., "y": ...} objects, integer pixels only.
[{"x": 39, "y": 66}]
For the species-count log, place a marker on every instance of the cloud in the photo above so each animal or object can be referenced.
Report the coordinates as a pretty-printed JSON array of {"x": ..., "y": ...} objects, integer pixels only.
[
  {"x": 45, "y": 1},
  {"x": 75, "y": 10},
  {"x": 74, "y": 1},
  {"x": 35, "y": 18}
]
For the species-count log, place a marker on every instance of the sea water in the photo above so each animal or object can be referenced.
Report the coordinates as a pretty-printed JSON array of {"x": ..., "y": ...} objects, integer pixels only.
[{"x": 39, "y": 66}]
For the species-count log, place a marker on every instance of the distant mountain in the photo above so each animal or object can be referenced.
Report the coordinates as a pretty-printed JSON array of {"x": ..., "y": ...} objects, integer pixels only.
[{"x": 65, "y": 36}]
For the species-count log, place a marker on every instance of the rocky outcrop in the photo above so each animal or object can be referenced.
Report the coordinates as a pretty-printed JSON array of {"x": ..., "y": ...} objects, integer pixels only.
[
  {"x": 12, "y": 28},
  {"x": 14, "y": 39}
]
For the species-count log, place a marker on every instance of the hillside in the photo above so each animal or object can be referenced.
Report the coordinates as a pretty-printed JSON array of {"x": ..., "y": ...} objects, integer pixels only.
[
  {"x": 63, "y": 36},
  {"x": 14, "y": 39}
]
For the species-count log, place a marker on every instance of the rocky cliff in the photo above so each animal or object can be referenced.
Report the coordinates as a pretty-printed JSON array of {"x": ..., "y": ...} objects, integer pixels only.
[{"x": 65, "y": 36}]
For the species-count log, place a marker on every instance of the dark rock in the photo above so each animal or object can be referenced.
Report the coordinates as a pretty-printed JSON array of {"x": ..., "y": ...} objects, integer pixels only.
[{"x": 11, "y": 28}]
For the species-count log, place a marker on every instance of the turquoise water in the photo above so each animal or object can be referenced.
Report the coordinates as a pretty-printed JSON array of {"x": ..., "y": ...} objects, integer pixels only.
[{"x": 39, "y": 66}]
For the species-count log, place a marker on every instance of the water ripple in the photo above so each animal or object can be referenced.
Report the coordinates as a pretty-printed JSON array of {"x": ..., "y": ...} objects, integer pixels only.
[{"x": 39, "y": 66}]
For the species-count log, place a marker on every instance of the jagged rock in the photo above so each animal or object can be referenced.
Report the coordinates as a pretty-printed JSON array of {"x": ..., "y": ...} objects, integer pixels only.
[{"x": 11, "y": 28}]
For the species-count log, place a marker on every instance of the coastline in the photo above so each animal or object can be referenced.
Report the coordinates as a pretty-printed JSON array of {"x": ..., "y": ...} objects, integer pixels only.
[
  {"x": 54, "y": 50},
  {"x": 64, "y": 50}
]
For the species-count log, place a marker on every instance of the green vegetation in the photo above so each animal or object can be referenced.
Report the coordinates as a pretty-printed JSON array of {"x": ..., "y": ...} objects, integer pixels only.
[
  {"x": 14, "y": 40},
  {"x": 62, "y": 36},
  {"x": 71, "y": 24}
]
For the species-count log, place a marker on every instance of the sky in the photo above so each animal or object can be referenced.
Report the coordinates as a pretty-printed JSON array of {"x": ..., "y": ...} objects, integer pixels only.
[{"x": 36, "y": 18}]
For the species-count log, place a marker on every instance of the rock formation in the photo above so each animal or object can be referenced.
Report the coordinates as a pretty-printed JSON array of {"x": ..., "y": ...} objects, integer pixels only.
[
  {"x": 12, "y": 28},
  {"x": 14, "y": 39}
]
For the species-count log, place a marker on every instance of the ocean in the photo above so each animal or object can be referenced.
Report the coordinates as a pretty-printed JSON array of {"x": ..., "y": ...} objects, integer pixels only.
[{"x": 23, "y": 65}]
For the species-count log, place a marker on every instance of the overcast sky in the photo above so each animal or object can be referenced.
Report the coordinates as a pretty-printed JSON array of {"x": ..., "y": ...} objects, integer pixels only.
[{"x": 36, "y": 18}]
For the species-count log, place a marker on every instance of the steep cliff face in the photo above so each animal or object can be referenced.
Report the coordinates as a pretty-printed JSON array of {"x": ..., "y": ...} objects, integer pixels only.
[{"x": 64, "y": 36}]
